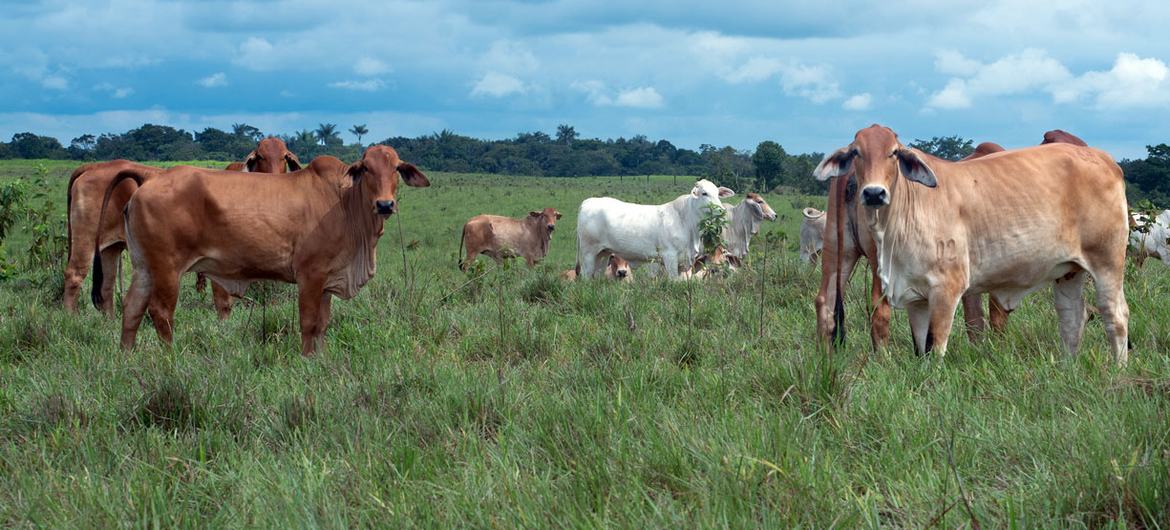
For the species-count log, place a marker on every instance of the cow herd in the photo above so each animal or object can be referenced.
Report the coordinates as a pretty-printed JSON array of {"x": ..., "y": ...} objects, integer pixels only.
[{"x": 1000, "y": 222}]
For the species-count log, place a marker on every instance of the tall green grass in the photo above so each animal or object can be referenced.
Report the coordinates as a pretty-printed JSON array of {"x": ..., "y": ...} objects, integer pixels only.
[{"x": 506, "y": 398}]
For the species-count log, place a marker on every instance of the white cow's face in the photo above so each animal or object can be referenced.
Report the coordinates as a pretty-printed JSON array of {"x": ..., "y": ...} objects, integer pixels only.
[{"x": 705, "y": 192}]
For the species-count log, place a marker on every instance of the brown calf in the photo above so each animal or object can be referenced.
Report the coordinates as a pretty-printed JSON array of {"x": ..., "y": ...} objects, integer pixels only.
[{"x": 504, "y": 237}]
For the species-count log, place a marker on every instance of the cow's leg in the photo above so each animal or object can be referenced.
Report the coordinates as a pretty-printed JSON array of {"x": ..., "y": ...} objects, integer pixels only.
[
  {"x": 222, "y": 300},
  {"x": 879, "y": 320},
  {"x": 670, "y": 263},
  {"x": 943, "y": 303},
  {"x": 323, "y": 320},
  {"x": 164, "y": 296},
  {"x": 80, "y": 256},
  {"x": 973, "y": 315},
  {"x": 919, "y": 316},
  {"x": 827, "y": 297},
  {"x": 137, "y": 297},
  {"x": 1114, "y": 310},
  {"x": 311, "y": 293},
  {"x": 592, "y": 262},
  {"x": 997, "y": 314},
  {"x": 1068, "y": 296},
  {"x": 111, "y": 258}
]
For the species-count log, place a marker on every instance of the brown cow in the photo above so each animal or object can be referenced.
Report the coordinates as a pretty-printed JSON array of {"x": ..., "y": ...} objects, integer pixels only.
[
  {"x": 317, "y": 227},
  {"x": 83, "y": 199},
  {"x": 504, "y": 237},
  {"x": 844, "y": 244},
  {"x": 617, "y": 268},
  {"x": 1006, "y": 224},
  {"x": 1057, "y": 136}
]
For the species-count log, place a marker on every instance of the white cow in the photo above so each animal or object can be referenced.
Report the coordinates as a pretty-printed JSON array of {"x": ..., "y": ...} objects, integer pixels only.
[
  {"x": 812, "y": 235},
  {"x": 743, "y": 222},
  {"x": 642, "y": 232},
  {"x": 1152, "y": 243}
]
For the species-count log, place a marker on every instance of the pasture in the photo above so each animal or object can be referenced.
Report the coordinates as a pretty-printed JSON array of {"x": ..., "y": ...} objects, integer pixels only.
[{"x": 503, "y": 397}]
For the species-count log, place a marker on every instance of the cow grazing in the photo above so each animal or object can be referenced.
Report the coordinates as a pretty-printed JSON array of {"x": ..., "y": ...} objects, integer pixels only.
[
  {"x": 616, "y": 268},
  {"x": 504, "y": 237},
  {"x": 641, "y": 233},
  {"x": 717, "y": 263},
  {"x": 743, "y": 223},
  {"x": 1153, "y": 241},
  {"x": 84, "y": 197},
  {"x": 812, "y": 235},
  {"x": 317, "y": 227},
  {"x": 1005, "y": 224}
]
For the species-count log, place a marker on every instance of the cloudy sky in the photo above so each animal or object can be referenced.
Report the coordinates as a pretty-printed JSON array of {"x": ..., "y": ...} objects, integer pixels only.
[{"x": 807, "y": 74}]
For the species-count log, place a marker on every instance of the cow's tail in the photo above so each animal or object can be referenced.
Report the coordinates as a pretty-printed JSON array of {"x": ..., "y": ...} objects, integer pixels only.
[
  {"x": 839, "y": 301},
  {"x": 139, "y": 176},
  {"x": 459, "y": 252}
]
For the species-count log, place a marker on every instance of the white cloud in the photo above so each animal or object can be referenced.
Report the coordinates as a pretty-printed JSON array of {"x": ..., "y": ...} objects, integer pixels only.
[
  {"x": 257, "y": 53},
  {"x": 510, "y": 57},
  {"x": 641, "y": 98},
  {"x": 215, "y": 80},
  {"x": 597, "y": 93},
  {"x": 365, "y": 85},
  {"x": 860, "y": 101},
  {"x": 953, "y": 96},
  {"x": 368, "y": 66},
  {"x": 814, "y": 83},
  {"x": 55, "y": 82},
  {"x": 1132, "y": 82},
  {"x": 114, "y": 91},
  {"x": 754, "y": 70},
  {"x": 498, "y": 85}
]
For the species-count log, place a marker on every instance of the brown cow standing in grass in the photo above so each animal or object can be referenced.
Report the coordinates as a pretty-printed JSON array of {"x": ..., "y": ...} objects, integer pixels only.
[
  {"x": 504, "y": 237},
  {"x": 83, "y": 199},
  {"x": 317, "y": 227}
]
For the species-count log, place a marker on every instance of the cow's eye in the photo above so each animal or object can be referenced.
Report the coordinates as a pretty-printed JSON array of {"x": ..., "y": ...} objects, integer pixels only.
[{"x": 704, "y": 194}]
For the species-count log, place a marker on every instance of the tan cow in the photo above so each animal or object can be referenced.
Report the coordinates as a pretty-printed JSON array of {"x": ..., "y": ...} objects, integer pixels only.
[
  {"x": 1006, "y": 224},
  {"x": 844, "y": 244},
  {"x": 812, "y": 235},
  {"x": 83, "y": 200},
  {"x": 504, "y": 237},
  {"x": 317, "y": 227},
  {"x": 617, "y": 268}
]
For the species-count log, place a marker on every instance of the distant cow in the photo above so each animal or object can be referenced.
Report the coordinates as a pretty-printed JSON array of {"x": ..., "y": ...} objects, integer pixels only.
[
  {"x": 616, "y": 268},
  {"x": 83, "y": 199},
  {"x": 717, "y": 263},
  {"x": 1005, "y": 224},
  {"x": 812, "y": 235},
  {"x": 743, "y": 223},
  {"x": 317, "y": 227},
  {"x": 642, "y": 233},
  {"x": 1155, "y": 241},
  {"x": 504, "y": 237}
]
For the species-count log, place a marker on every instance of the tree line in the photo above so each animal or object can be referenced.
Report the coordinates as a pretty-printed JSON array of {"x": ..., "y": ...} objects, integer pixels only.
[{"x": 563, "y": 154}]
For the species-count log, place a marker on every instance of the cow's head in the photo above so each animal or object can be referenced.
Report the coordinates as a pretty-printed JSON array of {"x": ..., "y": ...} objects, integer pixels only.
[
  {"x": 705, "y": 192},
  {"x": 618, "y": 268},
  {"x": 271, "y": 156},
  {"x": 877, "y": 157},
  {"x": 759, "y": 207},
  {"x": 377, "y": 173},
  {"x": 546, "y": 219}
]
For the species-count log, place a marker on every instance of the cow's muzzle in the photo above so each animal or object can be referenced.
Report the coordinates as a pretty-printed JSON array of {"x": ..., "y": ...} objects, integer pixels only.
[
  {"x": 875, "y": 196},
  {"x": 385, "y": 207},
  {"x": 551, "y": 228},
  {"x": 622, "y": 273}
]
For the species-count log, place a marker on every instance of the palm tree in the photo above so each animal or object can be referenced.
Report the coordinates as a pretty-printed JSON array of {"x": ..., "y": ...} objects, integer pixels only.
[
  {"x": 359, "y": 131},
  {"x": 243, "y": 130},
  {"x": 326, "y": 133}
]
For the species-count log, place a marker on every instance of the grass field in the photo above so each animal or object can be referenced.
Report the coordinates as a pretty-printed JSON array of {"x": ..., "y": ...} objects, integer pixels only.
[{"x": 505, "y": 398}]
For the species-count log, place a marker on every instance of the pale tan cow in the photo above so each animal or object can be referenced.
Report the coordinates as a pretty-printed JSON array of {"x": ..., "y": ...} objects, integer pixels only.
[
  {"x": 812, "y": 235},
  {"x": 504, "y": 237},
  {"x": 1007, "y": 224},
  {"x": 617, "y": 268}
]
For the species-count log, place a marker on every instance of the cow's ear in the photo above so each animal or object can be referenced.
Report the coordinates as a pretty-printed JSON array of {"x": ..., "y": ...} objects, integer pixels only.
[
  {"x": 412, "y": 176},
  {"x": 835, "y": 164},
  {"x": 294, "y": 164},
  {"x": 533, "y": 214},
  {"x": 558, "y": 214},
  {"x": 250, "y": 162},
  {"x": 355, "y": 172},
  {"x": 915, "y": 169},
  {"x": 725, "y": 192}
]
